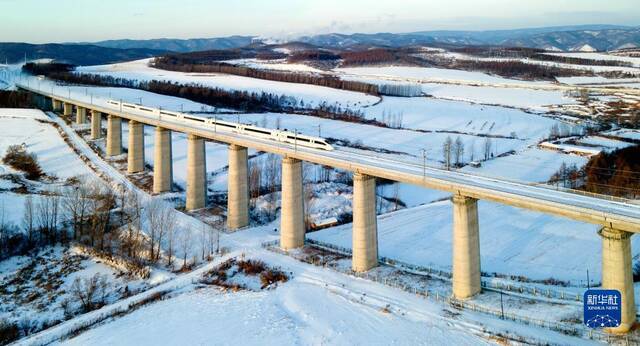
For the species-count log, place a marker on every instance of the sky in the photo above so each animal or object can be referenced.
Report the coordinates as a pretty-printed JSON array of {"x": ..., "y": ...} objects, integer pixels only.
[{"x": 39, "y": 21}]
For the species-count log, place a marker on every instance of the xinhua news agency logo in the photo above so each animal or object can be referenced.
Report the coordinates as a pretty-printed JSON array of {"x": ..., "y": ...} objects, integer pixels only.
[{"x": 602, "y": 308}]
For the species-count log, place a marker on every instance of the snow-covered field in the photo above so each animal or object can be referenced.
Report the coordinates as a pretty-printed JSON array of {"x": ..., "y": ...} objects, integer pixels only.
[
  {"x": 280, "y": 65},
  {"x": 311, "y": 95},
  {"x": 22, "y": 126},
  {"x": 600, "y": 56},
  {"x": 429, "y": 74},
  {"x": 625, "y": 133},
  {"x": 512, "y": 241},
  {"x": 521, "y": 98}
]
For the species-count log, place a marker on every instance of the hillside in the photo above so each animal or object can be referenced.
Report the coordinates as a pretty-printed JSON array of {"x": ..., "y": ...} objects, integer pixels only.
[{"x": 77, "y": 54}]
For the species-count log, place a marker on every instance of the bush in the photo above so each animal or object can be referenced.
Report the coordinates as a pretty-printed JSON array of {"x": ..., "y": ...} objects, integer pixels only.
[
  {"x": 18, "y": 158},
  {"x": 269, "y": 277},
  {"x": 252, "y": 267},
  {"x": 8, "y": 332}
]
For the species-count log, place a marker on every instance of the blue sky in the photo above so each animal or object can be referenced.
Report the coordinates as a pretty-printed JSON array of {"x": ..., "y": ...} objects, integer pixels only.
[{"x": 90, "y": 20}]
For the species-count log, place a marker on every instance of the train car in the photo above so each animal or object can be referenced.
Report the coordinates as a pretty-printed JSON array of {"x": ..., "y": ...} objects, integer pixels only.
[{"x": 225, "y": 126}]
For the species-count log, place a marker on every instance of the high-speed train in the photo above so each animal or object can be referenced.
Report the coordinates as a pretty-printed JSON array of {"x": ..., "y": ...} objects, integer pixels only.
[{"x": 225, "y": 126}]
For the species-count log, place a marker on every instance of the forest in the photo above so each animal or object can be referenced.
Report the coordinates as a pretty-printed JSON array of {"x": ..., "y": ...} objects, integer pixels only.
[{"x": 616, "y": 173}]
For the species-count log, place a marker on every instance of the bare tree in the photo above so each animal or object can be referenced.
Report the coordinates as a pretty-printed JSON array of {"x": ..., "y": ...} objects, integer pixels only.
[
  {"x": 458, "y": 150},
  {"x": 185, "y": 245},
  {"x": 160, "y": 218},
  {"x": 47, "y": 217},
  {"x": 487, "y": 148},
  {"x": 447, "y": 147},
  {"x": 90, "y": 292},
  {"x": 28, "y": 220},
  {"x": 75, "y": 205},
  {"x": 255, "y": 179}
]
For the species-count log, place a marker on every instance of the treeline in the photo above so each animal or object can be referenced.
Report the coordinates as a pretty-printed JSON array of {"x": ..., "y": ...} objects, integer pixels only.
[
  {"x": 15, "y": 99},
  {"x": 46, "y": 69},
  {"x": 536, "y": 54},
  {"x": 519, "y": 69},
  {"x": 616, "y": 173},
  {"x": 216, "y": 97},
  {"x": 172, "y": 63}
]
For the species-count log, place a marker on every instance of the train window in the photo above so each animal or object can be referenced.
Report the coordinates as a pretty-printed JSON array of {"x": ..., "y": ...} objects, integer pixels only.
[
  {"x": 196, "y": 119},
  {"x": 258, "y": 131}
]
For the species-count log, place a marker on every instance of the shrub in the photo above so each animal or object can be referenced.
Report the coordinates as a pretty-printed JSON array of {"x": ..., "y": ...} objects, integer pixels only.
[
  {"x": 252, "y": 267},
  {"x": 8, "y": 332},
  {"x": 18, "y": 158},
  {"x": 271, "y": 276}
]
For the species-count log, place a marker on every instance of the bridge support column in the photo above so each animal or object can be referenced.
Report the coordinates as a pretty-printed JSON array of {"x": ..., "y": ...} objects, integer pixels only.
[
  {"x": 365, "y": 226},
  {"x": 68, "y": 109},
  {"x": 162, "y": 161},
  {"x": 114, "y": 135},
  {"x": 466, "y": 247},
  {"x": 238, "y": 195},
  {"x": 81, "y": 115},
  {"x": 292, "y": 212},
  {"x": 56, "y": 106},
  {"x": 135, "y": 158},
  {"x": 96, "y": 124},
  {"x": 617, "y": 273},
  {"x": 196, "y": 173}
]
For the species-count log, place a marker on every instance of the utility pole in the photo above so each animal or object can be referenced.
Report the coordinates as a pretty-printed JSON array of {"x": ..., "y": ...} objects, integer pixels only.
[
  {"x": 319, "y": 131},
  {"x": 424, "y": 163},
  {"x": 588, "y": 284},
  {"x": 501, "y": 307},
  {"x": 295, "y": 140}
]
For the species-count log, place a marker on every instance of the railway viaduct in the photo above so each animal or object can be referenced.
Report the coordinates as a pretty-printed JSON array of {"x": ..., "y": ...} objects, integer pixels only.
[{"x": 619, "y": 220}]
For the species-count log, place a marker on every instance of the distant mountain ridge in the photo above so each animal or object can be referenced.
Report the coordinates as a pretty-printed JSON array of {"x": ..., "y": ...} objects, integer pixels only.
[
  {"x": 77, "y": 54},
  {"x": 180, "y": 45},
  {"x": 569, "y": 38},
  {"x": 600, "y": 37}
]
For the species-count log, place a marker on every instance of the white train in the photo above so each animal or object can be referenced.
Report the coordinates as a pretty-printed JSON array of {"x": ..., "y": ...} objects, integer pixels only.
[{"x": 225, "y": 126}]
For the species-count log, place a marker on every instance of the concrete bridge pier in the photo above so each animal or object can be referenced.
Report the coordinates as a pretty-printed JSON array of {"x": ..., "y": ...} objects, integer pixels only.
[
  {"x": 292, "y": 212},
  {"x": 56, "y": 105},
  {"x": 466, "y": 247},
  {"x": 81, "y": 115},
  {"x": 196, "y": 173},
  {"x": 114, "y": 135},
  {"x": 365, "y": 226},
  {"x": 238, "y": 195},
  {"x": 96, "y": 124},
  {"x": 68, "y": 109},
  {"x": 135, "y": 157},
  {"x": 617, "y": 273},
  {"x": 162, "y": 161}
]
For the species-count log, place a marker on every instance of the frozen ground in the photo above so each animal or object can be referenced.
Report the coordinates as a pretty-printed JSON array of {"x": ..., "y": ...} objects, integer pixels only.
[
  {"x": 625, "y": 133},
  {"x": 532, "y": 164},
  {"x": 522, "y": 98},
  {"x": 431, "y": 114},
  {"x": 353, "y": 311},
  {"x": 429, "y": 74},
  {"x": 512, "y": 241},
  {"x": 311, "y": 94},
  {"x": 22, "y": 126}
]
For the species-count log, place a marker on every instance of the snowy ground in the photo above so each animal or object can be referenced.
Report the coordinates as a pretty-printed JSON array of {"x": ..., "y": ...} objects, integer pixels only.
[
  {"x": 353, "y": 311},
  {"x": 429, "y": 74},
  {"x": 311, "y": 94},
  {"x": 21, "y": 126},
  {"x": 512, "y": 241}
]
